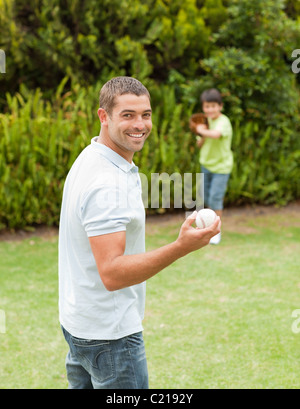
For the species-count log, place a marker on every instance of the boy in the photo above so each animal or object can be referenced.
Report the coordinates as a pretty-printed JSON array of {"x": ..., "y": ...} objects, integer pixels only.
[{"x": 216, "y": 157}]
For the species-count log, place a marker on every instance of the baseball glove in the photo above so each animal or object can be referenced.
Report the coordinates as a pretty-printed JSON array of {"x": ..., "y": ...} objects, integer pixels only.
[{"x": 197, "y": 119}]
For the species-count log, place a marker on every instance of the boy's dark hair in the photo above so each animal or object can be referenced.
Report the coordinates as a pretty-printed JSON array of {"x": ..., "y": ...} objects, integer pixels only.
[{"x": 211, "y": 95}]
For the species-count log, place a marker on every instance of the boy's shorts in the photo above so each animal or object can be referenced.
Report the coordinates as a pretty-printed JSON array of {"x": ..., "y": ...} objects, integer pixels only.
[{"x": 215, "y": 186}]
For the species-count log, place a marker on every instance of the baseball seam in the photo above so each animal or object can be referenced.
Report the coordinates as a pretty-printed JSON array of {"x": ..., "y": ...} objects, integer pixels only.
[{"x": 203, "y": 222}]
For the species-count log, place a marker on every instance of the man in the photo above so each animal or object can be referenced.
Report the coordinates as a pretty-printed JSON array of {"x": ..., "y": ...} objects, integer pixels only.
[{"x": 103, "y": 265}]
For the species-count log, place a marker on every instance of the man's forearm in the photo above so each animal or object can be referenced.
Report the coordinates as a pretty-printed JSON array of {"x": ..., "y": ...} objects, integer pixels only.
[
  {"x": 127, "y": 270},
  {"x": 118, "y": 270}
]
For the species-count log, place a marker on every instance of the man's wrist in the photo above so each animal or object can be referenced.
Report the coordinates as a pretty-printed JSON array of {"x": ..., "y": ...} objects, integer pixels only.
[{"x": 179, "y": 249}]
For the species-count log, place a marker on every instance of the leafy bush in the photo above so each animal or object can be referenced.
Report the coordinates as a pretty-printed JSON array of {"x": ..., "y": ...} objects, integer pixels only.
[
  {"x": 40, "y": 139},
  {"x": 266, "y": 168},
  {"x": 86, "y": 40},
  {"x": 59, "y": 52}
]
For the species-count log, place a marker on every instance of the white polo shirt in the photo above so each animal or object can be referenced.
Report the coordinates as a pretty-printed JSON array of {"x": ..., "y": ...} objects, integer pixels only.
[{"x": 102, "y": 195}]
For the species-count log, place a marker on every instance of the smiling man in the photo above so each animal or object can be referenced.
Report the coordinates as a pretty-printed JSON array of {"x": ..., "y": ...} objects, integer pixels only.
[
  {"x": 125, "y": 120},
  {"x": 103, "y": 265}
]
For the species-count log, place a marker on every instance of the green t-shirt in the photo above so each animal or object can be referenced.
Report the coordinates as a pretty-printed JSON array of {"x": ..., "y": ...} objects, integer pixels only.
[{"x": 216, "y": 154}]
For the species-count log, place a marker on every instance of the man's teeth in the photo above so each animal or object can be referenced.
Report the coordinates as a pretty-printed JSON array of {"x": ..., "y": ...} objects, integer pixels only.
[{"x": 136, "y": 135}]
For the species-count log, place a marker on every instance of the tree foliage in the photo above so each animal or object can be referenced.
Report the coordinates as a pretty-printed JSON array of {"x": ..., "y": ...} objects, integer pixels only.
[
  {"x": 47, "y": 39},
  {"x": 60, "y": 52},
  {"x": 243, "y": 47}
]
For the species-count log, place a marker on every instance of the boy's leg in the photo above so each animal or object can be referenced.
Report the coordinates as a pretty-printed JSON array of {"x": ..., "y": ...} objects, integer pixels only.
[
  {"x": 207, "y": 185},
  {"x": 216, "y": 198},
  {"x": 217, "y": 191},
  {"x": 219, "y": 213}
]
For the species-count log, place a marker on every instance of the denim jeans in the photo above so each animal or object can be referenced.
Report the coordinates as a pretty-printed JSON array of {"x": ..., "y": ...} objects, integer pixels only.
[
  {"x": 106, "y": 364},
  {"x": 215, "y": 186}
]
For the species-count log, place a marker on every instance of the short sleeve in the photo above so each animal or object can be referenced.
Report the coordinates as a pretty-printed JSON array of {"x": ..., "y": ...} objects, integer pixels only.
[
  {"x": 224, "y": 126},
  {"x": 104, "y": 210}
]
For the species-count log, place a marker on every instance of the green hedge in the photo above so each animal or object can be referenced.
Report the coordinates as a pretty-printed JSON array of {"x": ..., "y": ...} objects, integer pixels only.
[
  {"x": 40, "y": 139},
  {"x": 60, "y": 52}
]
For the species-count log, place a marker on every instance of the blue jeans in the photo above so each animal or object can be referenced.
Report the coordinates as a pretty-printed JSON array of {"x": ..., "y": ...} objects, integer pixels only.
[
  {"x": 111, "y": 364},
  {"x": 215, "y": 186}
]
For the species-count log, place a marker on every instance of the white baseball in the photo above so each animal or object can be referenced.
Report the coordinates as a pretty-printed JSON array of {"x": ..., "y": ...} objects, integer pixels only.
[{"x": 205, "y": 218}]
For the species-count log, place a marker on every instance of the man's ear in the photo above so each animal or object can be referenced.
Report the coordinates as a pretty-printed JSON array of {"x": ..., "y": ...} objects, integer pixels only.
[{"x": 103, "y": 116}]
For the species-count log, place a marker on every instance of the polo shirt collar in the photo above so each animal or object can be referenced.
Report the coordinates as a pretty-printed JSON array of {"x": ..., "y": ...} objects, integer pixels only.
[{"x": 113, "y": 156}]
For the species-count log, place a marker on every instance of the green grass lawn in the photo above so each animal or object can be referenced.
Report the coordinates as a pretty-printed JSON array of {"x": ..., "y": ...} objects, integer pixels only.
[{"x": 218, "y": 318}]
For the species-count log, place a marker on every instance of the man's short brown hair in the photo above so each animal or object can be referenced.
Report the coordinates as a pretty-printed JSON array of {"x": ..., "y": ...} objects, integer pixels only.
[{"x": 120, "y": 86}]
